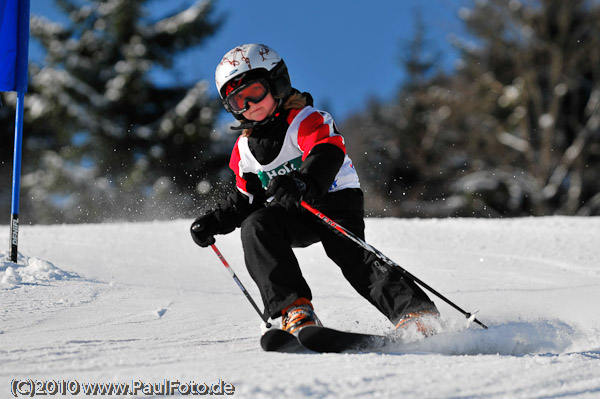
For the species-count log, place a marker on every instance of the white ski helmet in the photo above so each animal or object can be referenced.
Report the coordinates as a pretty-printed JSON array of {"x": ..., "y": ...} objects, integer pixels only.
[{"x": 249, "y": 62}]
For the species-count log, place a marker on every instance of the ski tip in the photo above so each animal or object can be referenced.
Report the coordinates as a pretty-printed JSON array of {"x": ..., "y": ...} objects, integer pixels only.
[{"x": 277, "y": 340}]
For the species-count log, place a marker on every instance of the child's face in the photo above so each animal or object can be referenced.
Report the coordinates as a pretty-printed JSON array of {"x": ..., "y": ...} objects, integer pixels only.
[{"x": 259, "y": 111}]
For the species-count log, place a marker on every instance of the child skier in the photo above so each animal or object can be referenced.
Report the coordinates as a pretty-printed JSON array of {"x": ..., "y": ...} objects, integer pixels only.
[{"x": 288, "y": 152}]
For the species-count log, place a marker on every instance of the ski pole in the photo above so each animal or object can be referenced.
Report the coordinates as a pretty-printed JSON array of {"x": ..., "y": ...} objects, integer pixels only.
[
  {"x": 239, "y": 283},
  {"x": 352, "y": 237}
]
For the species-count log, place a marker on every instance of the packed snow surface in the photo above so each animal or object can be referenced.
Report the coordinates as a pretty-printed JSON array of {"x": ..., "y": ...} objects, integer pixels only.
[{"x": 142, "y": 304}]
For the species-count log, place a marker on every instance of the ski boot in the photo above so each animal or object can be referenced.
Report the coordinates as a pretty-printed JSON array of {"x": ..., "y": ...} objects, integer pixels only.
[
  {"x": 426, "y": 322},
  {"x": 298, "y": 315}
]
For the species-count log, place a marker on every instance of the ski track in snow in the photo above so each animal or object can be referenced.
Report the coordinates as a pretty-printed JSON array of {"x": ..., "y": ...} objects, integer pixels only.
[{"x": 122, "y": 302}]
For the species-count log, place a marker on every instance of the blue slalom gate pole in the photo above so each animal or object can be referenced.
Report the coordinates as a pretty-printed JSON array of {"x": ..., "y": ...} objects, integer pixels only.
[
  {"x": 16, "y": 179},
  {"x": 14, "y": 58}
]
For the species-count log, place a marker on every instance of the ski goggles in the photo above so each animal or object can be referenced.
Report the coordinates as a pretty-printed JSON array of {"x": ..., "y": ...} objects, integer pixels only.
[{"x": 254, "y": 91}]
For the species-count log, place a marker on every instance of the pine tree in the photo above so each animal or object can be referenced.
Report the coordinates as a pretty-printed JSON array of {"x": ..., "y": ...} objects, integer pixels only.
[
  {"x": 399, "y": 157},
  {"x": 534, "y": 131},
  {"x": 108, "y": 142},
  {"x": 513, "y": 131}
]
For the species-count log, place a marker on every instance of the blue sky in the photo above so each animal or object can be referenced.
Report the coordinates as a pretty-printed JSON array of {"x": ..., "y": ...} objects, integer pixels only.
[{"x": 341, "y": 51}]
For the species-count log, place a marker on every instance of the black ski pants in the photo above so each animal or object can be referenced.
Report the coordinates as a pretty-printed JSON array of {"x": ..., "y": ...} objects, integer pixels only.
[{"x": 269, "y": 234}]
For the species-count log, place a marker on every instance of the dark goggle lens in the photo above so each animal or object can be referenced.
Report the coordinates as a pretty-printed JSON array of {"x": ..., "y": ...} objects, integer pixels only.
[{"x": 252, "y": 92}]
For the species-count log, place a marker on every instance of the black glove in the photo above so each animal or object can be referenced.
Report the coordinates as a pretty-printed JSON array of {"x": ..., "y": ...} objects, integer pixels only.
[
  {"x": 204, "y": 228},
  {"x": 288, "y": 190}
]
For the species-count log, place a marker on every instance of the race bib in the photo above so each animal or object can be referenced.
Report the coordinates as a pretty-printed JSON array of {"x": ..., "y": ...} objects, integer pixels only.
[{"x": 267, "y": 175}]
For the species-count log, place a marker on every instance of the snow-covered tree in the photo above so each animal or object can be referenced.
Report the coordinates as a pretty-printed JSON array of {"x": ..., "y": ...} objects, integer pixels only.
[
  {"x": 397, "y": 145},
  {"x": 103, "y": 139},
  {"x": 535, "y": 130},
  {"x": 514, "y": 130}
]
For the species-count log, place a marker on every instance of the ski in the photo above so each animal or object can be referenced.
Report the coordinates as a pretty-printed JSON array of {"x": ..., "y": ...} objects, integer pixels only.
[
  {"x": 277, "y": 340},
  {"x": 328, "y": 340},
  {"x": 321, "y": 339}
]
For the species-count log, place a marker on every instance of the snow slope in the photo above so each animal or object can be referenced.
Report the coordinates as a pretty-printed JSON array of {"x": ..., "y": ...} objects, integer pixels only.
[{"x": 140, "y": 302}]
